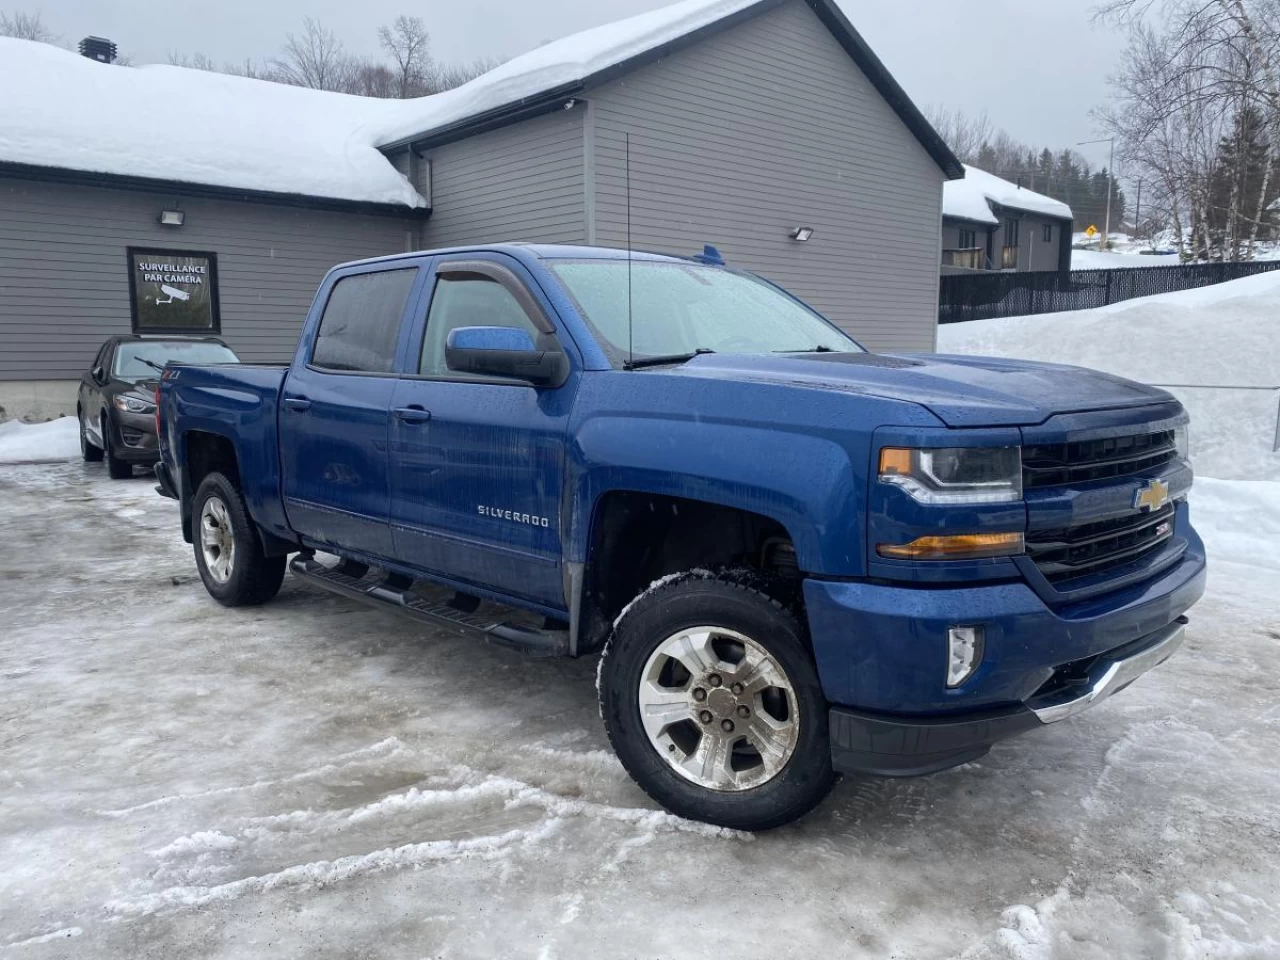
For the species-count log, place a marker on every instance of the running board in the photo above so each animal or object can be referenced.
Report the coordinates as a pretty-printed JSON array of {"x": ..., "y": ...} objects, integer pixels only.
[{"x": 528, "y": 640}]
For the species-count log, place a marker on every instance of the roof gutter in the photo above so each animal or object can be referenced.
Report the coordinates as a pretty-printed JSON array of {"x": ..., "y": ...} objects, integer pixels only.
[
  {"x": 115, "y": 181},
  {"x": 547, "y": 102}
]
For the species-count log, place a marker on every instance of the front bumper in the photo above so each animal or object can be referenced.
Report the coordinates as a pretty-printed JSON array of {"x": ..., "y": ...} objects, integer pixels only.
[
  {"x": 133, "y": 436},
  {"x": 896, "y": 747},
  {"x": 881, "y": 651}
]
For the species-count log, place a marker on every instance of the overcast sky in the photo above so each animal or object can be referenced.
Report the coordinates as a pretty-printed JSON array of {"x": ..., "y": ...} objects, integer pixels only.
[{"x": 1037, "y": 68}]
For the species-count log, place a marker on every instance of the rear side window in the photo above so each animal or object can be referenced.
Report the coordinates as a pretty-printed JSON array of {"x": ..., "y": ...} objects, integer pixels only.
[{"x": 361, "y": 322}]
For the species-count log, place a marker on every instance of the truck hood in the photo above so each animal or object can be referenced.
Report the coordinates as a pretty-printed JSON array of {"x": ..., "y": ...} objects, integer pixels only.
[{"x": 961, "y": 391}]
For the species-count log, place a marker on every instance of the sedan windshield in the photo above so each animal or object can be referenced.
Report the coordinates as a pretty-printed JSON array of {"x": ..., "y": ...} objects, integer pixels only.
[
  {"x": 143, "y": 360},
  {"x": 678, "y": 309}
]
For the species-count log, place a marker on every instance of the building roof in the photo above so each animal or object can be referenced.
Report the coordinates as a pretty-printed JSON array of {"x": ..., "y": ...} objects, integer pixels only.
[
  {"x": 556, "y": 70},
  {"x": 191, "y": 126},
  {"x": 972, "y": 197},
  {"x": 171, "y": 124}
]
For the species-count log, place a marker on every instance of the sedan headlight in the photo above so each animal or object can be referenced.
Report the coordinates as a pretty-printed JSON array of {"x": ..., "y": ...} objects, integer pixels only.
[
  {"x": 954, "y": 474},
  {"x": 134, "y": 405},
  {"x": 1182, "y": 441}
]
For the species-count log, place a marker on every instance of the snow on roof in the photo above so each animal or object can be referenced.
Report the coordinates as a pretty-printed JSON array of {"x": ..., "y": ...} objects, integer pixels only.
[
  {"x": 191, "y": 126},
  {"x": 552, "y": 65},
  {"x": 971, "y": 198}
]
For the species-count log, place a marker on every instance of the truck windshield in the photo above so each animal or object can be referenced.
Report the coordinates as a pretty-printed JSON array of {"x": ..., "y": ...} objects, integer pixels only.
[
  {"x": 134, "y": 361},
  {"x": 682, "y": 308}
]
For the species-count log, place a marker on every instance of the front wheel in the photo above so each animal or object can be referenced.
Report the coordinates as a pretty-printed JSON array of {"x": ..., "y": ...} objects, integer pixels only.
[
  {"x": 712, "y": 703},
  {"x": 229, "y": 553},
  {"x": 88, "y": 452},
  {"x": 117, "y": 469}
]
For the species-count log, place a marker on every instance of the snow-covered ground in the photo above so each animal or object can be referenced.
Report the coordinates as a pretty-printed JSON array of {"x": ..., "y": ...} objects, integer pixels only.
[
  {"x": 315, "y": 779},
  {"x": 35, "y": 442}
]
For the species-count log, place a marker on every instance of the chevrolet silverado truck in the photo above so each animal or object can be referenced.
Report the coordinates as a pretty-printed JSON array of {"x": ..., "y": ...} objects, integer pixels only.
[{"x": 795, "y": 558}]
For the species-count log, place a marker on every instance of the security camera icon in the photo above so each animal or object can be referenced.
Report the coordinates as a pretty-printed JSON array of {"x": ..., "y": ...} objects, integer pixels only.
[{"x": 174, "y": 294}]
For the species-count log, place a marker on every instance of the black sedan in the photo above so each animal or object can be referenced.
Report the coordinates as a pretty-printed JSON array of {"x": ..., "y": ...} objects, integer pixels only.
[{"x": 116, "y": 403}]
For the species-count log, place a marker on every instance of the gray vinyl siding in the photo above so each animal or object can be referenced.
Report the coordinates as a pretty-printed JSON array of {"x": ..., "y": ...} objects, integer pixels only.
[
  {"x": 762, "y": 128},
  {"x": 519, "y": 183},
  {"x": 64, "y": 284}
]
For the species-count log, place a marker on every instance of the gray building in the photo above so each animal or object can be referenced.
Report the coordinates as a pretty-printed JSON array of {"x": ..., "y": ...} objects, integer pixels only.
[
  {"x": 734, "y": 129},
  {"x": 989, "y": 223}
]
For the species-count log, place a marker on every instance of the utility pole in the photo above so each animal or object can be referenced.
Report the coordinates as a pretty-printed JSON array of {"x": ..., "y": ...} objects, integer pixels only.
[{"x": 1111, "y": 176}]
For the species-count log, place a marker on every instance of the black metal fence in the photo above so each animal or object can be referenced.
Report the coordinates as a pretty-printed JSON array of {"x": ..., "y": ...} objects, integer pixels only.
[{"x": 978, "y": 296}]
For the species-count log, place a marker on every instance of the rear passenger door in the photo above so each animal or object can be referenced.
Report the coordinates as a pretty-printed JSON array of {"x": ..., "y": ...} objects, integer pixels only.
[{"x": 335, "y": 406}]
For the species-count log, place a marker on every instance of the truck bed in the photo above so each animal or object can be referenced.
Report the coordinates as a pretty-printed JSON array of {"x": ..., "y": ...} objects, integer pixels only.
[{"x": 239, "y": 403}]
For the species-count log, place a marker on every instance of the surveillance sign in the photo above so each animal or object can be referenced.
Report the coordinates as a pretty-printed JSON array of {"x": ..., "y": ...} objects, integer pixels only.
[{"x": 173, "y": 290}]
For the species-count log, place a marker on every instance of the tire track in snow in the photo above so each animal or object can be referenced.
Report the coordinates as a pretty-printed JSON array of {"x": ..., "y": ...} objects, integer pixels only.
[
  {"x": 198, "y": 868},
  {"x": 382, "y": 749}
]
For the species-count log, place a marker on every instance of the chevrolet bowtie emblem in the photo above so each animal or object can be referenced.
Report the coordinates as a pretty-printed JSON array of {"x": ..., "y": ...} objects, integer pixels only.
[{"x": 1152, "y": 496}]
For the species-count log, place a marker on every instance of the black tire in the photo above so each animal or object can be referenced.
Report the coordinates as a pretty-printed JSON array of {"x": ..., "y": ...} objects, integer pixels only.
[
  {"x": 733, "y": 603},
  {"x": 117, "y": 469},
  {"x": 252, "y": 577},
  {"x": 88, "y": 452}
]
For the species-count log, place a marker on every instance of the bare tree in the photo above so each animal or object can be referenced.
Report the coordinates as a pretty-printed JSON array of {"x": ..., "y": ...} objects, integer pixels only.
[
  {"x": 368, "y": 79},
  {"x": 964, "y": 134},
  {"x": 315, "y": 58},
  {"x": 26, "y": 26},
  {"x": 1197, "y": 74},
  {"x": 446, "y": 76},
  {"x": 196, "y": 61},
  {"x": 407, "y": 43}
]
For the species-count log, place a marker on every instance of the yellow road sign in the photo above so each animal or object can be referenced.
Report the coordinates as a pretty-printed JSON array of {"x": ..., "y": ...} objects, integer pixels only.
[{"x": 1091, "y": 232}]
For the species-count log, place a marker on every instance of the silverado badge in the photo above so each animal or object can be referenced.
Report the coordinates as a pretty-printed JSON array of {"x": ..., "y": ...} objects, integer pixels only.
[{"x": 1152, "y": 495}]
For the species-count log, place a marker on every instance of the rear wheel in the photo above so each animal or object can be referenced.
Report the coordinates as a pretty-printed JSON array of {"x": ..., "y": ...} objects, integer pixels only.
[
  {"x": 228, "y": 549},
  {"x": 117, "y": 469},
  {"x": 713, "y": 704},
  {"x": 88, "y": 452}
]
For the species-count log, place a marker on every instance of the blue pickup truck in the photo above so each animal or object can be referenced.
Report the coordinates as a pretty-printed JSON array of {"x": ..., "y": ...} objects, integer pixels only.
[{"x": 796, "y": 558}]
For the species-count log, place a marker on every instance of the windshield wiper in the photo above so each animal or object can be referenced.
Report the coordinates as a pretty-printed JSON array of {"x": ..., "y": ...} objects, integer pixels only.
[
  {"x": 818, "y": 349},
  {"x": 152, "y": 364},
  {"x": 661, "y": 361}
]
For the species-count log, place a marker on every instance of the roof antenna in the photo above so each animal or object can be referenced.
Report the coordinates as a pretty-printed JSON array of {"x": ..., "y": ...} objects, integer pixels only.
[{"x": 631, "y": 353}]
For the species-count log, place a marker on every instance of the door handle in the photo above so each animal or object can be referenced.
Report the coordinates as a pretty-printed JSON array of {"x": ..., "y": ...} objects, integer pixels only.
[
  {"x": 299, "y": 404},
  {"x": 412, "y": 414}
]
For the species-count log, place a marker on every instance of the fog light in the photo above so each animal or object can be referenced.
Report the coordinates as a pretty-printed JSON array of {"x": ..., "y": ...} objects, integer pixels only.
[{"x": 964, "y": 653}]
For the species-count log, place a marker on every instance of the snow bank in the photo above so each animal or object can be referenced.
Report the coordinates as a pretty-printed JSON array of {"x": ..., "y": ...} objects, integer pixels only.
[
  {"x": 1110, "y": 260},
  {"x": 970, "y": 198},
  {"x": 191, "y": 126},
  {"x": 553, "y": 65},
  {"x": 1224, "y": 334},
  {"x": 32, "y": 442}
]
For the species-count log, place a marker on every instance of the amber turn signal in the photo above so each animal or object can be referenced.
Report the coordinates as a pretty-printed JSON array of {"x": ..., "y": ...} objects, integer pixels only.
[{"x": 965, "y": 546}]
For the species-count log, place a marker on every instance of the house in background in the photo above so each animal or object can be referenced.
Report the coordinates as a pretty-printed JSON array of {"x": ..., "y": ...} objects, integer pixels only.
[
  {"x": 991, "y": 224},
  {"x": 765, "y": 127}
]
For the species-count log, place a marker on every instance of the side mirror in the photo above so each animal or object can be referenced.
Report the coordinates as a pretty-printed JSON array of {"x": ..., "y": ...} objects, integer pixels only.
[
  {"x": 99, "y": 375},
  {"x": 505, "y": 352}
]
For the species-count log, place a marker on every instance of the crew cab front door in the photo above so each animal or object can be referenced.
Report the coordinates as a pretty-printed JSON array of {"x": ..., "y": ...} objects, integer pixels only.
[
  {"x": 335, "y": 411},
  {"x": 477, "y": 464}
]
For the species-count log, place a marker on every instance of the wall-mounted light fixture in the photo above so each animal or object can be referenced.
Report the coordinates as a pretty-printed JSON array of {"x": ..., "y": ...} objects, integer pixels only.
[
  {"x": 172, "y": 218},
  {"x": 801, "y": 234}
]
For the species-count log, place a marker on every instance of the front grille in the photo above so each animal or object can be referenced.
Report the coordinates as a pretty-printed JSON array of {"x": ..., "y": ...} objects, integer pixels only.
[
  {"x": 1063, "y": 555},
  {"x": 1056, "y": 464}
]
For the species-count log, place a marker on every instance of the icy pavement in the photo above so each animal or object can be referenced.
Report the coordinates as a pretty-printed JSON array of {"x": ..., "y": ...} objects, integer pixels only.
[{"x": 314, "y": 779}]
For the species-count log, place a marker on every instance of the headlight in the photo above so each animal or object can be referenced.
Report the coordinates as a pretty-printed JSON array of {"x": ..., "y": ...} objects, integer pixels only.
[
  {"x": 1182, "y": 441},
  {"x": 955, "y": 474},
  {"x": 134, "y": 405}
]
